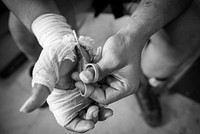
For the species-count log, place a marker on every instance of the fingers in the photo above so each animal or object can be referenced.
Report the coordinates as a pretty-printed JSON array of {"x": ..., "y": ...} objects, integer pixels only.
[
  {"x": 91, "y": 72},
  {"x": 80, "y": 125},
  {"x": 87, "y": 91},
  {"x": 88, "y": 75},
  {"x": 112, "y": 59},
  {"x": 75, "y": 76},
  {"x": 104, "y": 113},
  {"x": 92, "y": 113},
  {"x": 96, "y": 113},
  {"x": 38, "y": 97},
  {"x": 86, "y": 121},
  {"x": 98, "y": 55},
  {"x": 110, "y": 92}
]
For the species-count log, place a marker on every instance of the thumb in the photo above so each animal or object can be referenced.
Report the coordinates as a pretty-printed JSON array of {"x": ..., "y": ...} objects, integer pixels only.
[
  {"x": 105, "y": 113},
  {"x": 44, "y": 72},
  {"x": 111, "y": 60},
  {"x": 38, "y": 97},
  {"x": 96, "y": 72}
]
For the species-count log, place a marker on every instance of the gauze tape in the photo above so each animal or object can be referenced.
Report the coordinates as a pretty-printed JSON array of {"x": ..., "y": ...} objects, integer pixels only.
[
  {"x": 49, "y": 30},
  {"x": 54, "y": 35},
  {"x": 65, "y": 105},
  {"x": 46, "y": 69}
]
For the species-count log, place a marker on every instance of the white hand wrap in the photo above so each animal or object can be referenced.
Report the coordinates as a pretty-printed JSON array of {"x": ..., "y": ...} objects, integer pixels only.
[
  {"x": 54, "y": 35},
  {"x": 50, "y": 29},
  {"x": 65, "y": 105}
]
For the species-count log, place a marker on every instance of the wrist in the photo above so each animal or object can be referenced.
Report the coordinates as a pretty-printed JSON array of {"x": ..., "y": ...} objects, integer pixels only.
[
  {"x": 134, "y": 35},
  {"x": 50, "y": 29}
]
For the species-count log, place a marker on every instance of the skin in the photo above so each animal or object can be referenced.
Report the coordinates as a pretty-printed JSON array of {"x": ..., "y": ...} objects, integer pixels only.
[
  {"x": 122, "y": 51},
  {"x": 25, "y": 11}
]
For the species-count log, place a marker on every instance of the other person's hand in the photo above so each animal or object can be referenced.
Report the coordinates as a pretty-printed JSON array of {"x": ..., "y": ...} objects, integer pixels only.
[
  {"x": 52, "y": 77},
  {"x": 119, "y": 66}
]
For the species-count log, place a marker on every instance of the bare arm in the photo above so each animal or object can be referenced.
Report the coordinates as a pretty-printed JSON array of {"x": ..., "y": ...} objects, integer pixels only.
[
  {"x": 28, "y": 10},
  {"x": 121, "y": 54},
  {"x": 152, "y": 15}
]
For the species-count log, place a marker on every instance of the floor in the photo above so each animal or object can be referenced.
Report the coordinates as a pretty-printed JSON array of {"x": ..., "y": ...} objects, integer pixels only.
[{"x": 181, "y": 115}]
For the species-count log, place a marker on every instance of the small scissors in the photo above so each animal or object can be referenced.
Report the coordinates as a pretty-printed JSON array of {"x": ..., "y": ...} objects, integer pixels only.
[{"x": 85, "y": 62}]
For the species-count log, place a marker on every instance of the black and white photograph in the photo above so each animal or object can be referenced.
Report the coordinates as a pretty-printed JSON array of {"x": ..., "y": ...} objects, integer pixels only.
[{"x": 100, "y": 66}]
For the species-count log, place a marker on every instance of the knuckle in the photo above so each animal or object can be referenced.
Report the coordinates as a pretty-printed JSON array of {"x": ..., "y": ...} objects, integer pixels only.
[
  {"x": 104, "y": 102},
  {"x": 131, "y": 88},
  {"x": 115, "y": 61},
  {"x": 68, "y": 127}
]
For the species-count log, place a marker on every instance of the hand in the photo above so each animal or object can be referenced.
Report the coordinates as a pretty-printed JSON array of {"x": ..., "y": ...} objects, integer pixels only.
[
  {"x": 88, "y": 118},
  {"x": 45, "y": 69},
  {"x": 119, "y": 65}
]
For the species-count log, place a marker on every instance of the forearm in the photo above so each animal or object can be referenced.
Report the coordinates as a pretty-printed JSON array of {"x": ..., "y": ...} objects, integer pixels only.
[
  {"x": 152, "y": 15},
  {"x": 28, "y": 10}
]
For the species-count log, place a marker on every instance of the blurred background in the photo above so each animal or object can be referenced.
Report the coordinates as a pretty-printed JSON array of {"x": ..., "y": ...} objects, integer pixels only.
[{"x": 180, "y": 104}]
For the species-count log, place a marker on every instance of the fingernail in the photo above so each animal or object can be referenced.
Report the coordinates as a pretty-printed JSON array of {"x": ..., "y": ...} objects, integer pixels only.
[
  {"x": 108, "y": 115},
  {"x": 99, "y": 51},
  {"x": 23, "y": 109},
  {"x": 82, "y": 90},
  {"x": 80, "y": 86},
  {"x": 86, "y": 76},
  {"x": 95, "y": 113}
]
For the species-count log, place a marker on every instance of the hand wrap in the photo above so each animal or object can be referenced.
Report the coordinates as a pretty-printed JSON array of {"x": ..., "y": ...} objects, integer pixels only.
[{"x": 54, "y": 35}]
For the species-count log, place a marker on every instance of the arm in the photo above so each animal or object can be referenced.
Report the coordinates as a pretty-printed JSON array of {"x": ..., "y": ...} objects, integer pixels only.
[
  {"x": 28, "y": 10},
  {"x": 121, "y": 55},
  {"x": 152, "y": 15},
  {"x": 53, "y": 68}
]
